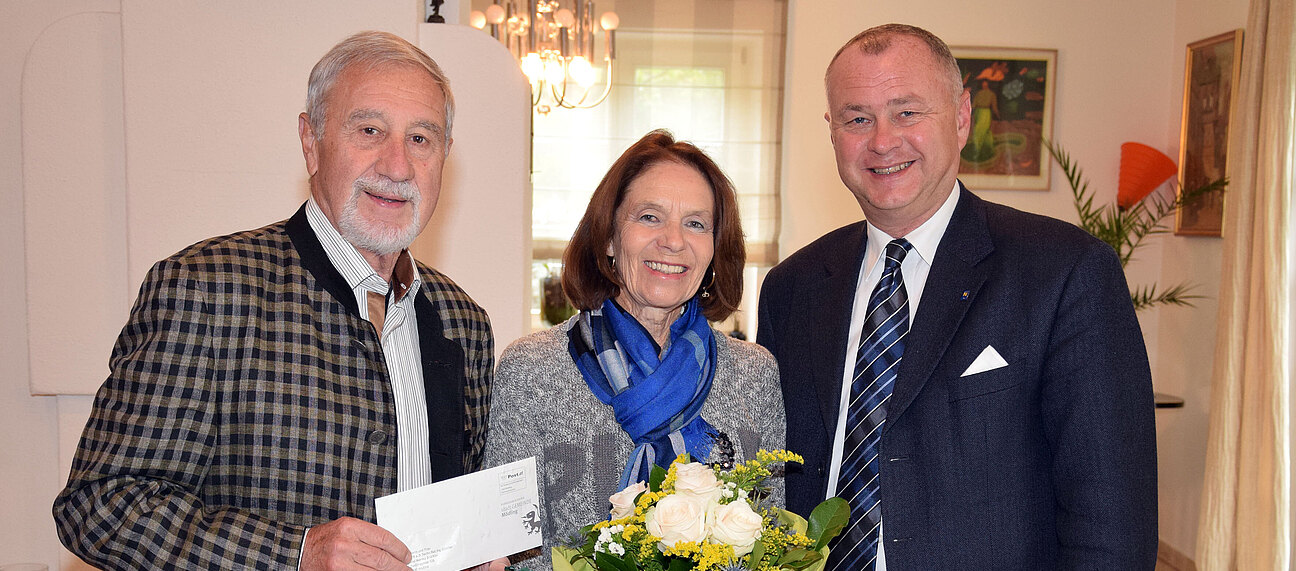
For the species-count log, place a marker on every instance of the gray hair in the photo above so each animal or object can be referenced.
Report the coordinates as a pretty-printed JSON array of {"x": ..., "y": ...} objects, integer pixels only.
[
  {"x": 878, "y": 39},
  {"x": 371, "y": 50}
]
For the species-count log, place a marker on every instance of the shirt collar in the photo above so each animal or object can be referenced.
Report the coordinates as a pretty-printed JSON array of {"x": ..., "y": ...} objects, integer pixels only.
[
  {"x": 355, "y": 269},
  {"x": 925, "y": 238}
]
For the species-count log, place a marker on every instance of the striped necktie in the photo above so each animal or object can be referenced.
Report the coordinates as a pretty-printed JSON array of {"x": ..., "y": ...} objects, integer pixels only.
[{"x": 886, "y": 322}]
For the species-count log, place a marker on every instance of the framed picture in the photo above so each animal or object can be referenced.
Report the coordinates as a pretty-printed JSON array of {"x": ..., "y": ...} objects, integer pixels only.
[
  {"x": 1012, "y": 113},
  {"x": 1211, "y": 73}
]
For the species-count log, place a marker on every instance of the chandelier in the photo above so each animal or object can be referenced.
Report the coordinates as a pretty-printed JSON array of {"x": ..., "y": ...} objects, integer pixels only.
[{"x": 555, "y": 47}]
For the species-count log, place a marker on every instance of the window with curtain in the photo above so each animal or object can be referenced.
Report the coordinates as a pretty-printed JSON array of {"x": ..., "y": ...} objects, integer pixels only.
[{"x": 710, "y": 71}]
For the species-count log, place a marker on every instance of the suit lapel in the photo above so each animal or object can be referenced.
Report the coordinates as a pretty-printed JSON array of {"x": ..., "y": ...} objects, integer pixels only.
[
  {"x": 316, "y": 261},
  {"x": 952, "y": 286},
  {"x": 833, "y": 295},
  {"x": 443, "y": 382}
]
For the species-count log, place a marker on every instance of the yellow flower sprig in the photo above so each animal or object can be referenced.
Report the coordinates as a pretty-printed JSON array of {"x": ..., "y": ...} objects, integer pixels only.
[
  {"x": 752, "y": 475},
  {"x": 707, "y": 556},
  {"x": 768, "y": 457}
]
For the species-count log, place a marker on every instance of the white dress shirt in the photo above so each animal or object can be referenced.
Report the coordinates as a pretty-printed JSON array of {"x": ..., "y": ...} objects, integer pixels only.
[{"x": 914, "y": 269}]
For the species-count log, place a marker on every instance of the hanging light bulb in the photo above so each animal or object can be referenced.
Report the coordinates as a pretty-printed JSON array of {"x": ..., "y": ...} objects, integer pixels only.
[
  {"x": 565, "y": 18},
  {"x": 553, "y": 71},
  {"x": 495, "y": 14},
  {"x": 581, "y": 72},
  {"x": 477, "y": 19},
  {"x": 533, "y": 67},
  {"x": 610, "y": 21}
]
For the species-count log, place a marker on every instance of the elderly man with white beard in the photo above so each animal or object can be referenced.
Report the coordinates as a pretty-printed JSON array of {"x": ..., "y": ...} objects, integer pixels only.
[{"x": 270, "y": 384}]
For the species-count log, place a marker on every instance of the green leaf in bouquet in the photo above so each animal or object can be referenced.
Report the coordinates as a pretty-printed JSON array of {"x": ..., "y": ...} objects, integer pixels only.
[
  {"x": 566, "y": 559},
  {"x": 656, "y": 477},
  {"x": 827, "y": 520},
  {"x": 607, "y": 562},
  {"x": 680, "y": 564},
  {"x": 799, "y": 558},
  {"x": 819, "y": 563},
  {"x": 758, "y": 551},
  {"x": 793, "y": 521}
]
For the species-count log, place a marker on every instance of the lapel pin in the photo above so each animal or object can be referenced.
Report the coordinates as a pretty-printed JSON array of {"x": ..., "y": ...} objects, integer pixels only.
[{"x": 966, "y": 294}]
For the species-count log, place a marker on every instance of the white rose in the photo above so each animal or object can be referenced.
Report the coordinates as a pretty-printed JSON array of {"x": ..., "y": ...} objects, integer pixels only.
[
  {"x": 698, "y": 480},
  {"x": 623, "y": 502},
  {"x": 677, "y": 518},
  {"x": 737, "y": 525}
]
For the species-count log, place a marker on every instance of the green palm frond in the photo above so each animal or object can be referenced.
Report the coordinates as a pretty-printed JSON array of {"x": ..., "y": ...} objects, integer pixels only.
[
  {"x": 1125, "y": 229},
  {"x": 1148, "y": 296}
]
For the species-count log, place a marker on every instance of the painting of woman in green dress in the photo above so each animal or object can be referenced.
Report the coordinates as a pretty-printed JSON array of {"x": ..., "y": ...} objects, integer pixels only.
[
  {"x": 1011, "y": 116},
  {"x": 985, "y": 109}
]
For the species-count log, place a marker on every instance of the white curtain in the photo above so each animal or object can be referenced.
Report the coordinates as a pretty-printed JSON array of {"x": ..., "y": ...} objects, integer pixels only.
[{"x": 1246, "y": 515}]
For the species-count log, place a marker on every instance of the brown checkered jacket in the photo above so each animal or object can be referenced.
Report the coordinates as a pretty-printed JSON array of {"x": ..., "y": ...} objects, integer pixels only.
[{"x": 248, "y": 400}]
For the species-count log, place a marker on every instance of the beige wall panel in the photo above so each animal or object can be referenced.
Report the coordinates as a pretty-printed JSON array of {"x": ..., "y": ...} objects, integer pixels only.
[
  {"x": 74, "y": 202},
  {"x": 213, "y": 90},
  {"x": 29, "y": 467},
  {"x": 481, "y": 232}
]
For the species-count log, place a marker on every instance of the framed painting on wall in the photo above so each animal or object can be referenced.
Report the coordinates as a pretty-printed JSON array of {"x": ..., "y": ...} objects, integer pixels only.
[
  {"x": 1012, "y": 114},
  {"x": 1211, "y": 71}
]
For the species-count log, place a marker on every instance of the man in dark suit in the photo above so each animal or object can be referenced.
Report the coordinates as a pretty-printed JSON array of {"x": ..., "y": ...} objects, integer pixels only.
[
  {"x": 970, "y": 377},
  {"x": 270, "y": 384}
]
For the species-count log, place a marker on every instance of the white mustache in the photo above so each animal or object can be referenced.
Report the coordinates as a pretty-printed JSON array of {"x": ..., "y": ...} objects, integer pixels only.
[{"x": 404, "y": 190}]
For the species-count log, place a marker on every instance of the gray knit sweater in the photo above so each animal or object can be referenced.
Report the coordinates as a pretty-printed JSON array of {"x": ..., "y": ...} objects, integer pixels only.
[{"x": 542, "y": 407}]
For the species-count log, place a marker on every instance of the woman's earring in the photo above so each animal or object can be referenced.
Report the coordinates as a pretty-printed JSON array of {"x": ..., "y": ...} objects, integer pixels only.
[{"x": 705, "y": 293}]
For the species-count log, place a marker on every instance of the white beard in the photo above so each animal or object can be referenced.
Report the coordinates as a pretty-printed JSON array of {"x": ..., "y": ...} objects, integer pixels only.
[{"x": 377, "y": 237}]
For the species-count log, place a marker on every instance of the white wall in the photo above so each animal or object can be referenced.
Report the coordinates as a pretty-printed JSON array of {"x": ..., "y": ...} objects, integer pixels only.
[{"x": 1120, "y": 74}]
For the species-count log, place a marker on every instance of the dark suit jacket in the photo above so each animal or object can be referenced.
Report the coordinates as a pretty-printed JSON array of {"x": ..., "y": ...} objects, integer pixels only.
[
  {"x": 248, "y": 400},
  {"x": 1047, "y": 463}
]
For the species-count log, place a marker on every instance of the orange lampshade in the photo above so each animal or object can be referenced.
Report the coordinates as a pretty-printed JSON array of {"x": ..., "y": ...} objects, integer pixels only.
[{"x": 1142, "y": 169}]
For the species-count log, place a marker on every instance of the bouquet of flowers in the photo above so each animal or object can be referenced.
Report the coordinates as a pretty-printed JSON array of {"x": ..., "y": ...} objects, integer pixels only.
[{"x": 694, "y": 517}]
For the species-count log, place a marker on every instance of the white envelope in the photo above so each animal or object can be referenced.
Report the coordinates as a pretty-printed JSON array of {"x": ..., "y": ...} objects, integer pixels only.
[
  {"x": 988, "y": 360},
  {"x": 466, "y": 521}
]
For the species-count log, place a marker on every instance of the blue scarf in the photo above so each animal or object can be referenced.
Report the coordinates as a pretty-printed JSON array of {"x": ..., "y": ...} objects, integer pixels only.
[{"x": 657, "y": 400}]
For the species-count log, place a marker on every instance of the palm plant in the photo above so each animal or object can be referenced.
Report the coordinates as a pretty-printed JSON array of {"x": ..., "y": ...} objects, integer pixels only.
[{"x": 1135, "y": 216}]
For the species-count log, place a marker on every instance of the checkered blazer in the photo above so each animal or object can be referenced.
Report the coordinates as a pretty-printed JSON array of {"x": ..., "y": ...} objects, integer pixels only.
[{"x": 248, "y": 400}]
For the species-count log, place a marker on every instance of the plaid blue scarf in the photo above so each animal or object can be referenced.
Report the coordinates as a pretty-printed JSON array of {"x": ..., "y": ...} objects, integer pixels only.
[{"x": 657, "y": 400}]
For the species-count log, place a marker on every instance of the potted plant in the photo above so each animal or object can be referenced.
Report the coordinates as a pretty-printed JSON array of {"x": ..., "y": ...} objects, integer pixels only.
[{"x": 1138, "y": 211}]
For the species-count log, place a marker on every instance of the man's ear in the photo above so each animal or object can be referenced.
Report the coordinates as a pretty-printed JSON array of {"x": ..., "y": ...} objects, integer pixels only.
[
  {"x": 964, "y": 117},
  {"x": 309, "y": 143}
]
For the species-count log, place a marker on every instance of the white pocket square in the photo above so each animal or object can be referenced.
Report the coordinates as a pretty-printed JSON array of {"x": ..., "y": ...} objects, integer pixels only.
[{"x": 988, "y": 360}]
